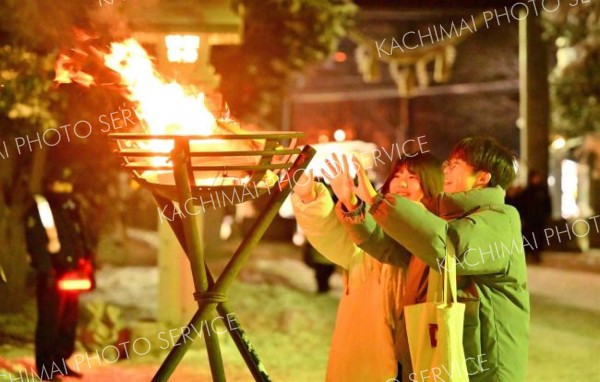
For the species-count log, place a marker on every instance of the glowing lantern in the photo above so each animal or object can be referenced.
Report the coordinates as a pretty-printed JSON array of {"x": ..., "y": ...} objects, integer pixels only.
[{"x": 182, "y": 48}]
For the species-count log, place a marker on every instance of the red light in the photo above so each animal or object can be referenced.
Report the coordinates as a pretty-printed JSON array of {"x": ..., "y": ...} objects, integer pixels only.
[
  {"x": 74, "y": 284},
  {"x": 339, "y": 56},
  {"x": 78, "y": 280}
]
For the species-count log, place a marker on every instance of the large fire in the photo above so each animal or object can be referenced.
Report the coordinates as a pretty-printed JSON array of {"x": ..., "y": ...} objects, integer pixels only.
[
  {"x": 166, "y": 107},
  {"x": 163, "y": 107}
]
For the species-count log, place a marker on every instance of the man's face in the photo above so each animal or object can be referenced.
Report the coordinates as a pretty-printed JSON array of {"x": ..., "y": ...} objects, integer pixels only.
[{"x": 459, "y": 176}]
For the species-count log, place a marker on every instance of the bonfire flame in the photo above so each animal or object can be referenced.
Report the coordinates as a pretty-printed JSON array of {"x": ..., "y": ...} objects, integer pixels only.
[
  {"x": 163, "y": 107},
  {"x": 67, "y": 71},
  {"x": 166, "y": 107},
  {"x": 226, "y": 115}
]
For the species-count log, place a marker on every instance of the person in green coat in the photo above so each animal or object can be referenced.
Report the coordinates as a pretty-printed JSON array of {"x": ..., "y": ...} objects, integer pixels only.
[{"x": 486, "y": 233}]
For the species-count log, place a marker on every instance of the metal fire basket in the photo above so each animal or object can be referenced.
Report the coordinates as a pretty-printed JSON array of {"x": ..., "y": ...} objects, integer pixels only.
[{"x": 190, "y": 172}]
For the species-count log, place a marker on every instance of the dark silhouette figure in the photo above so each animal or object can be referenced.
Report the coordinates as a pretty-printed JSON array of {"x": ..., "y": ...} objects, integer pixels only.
[
  {"x": 322, "y": 266},
  {"x": 58, "y": 250},
  {"x": 535, "y": 208}
]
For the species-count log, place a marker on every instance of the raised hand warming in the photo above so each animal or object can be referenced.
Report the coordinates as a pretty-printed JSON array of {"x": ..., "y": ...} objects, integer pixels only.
[
  {"x": 338, "y": 176},
  {"x": 305, "y": 187},
  {"x": 365, "y": 190}
]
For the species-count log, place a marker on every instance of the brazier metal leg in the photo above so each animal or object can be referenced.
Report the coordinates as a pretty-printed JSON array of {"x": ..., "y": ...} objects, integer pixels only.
[
  {"x": 242, "y": 342},
  {"x": 191, "y": 231},
  {"x": 237, "y": 261},
  {"x": 238, "y": 335}
]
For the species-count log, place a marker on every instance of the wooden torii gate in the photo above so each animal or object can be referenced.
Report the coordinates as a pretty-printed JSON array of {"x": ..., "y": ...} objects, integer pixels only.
[{"x": 533, "y": 69}]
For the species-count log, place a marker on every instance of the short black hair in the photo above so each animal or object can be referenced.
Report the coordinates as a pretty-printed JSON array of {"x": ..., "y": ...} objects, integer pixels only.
[{"x": 487, "y": 154}]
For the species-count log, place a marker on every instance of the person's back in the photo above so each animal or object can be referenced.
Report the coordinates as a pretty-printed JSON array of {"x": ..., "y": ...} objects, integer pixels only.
[
  {"x": 535, "y": 209},
  {"x": 493, "y": 275},
  {"x": 70, "y": 231},
  {"x": 57, "y": 245}
]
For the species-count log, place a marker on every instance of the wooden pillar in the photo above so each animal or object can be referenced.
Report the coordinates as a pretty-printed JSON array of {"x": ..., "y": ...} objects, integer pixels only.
[
  {"x": 534, "y": 97},
  {"x": 404, "y": 124},
  {"x": 286, "y": 115},
  {"x": 176, "y": 304}
]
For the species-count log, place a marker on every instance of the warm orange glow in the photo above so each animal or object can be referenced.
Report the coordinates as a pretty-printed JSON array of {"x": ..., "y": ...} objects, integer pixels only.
[
  {"x": 166, "y": 107},
  {"x": 74, "y": 284},
  {"x": 339, "y": 135},
  {"x": 66, "y": 72},
  {"x": 339, "y": 56},
  {"x": 182, "y": 48},
  {"x": 226, "y": 113},
  {"x": 163, "y": 107},
  {"x": 323, "y": 138}
]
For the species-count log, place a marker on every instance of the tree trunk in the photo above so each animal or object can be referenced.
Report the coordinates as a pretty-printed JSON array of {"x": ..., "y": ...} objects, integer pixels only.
[
  {"x": 14, "y": 200},
  {"x": 37, "y": 170}
]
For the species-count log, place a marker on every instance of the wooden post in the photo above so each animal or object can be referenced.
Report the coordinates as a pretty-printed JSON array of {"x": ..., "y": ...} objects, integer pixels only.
[
  {"x": 403, "y": 128},
  {"x": 175, "y": 285},
  {"x": 534, "y": 97}
]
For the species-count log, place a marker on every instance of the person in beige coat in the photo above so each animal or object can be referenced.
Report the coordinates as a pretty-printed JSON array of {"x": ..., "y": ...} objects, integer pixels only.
[{"x": 369, "y": 339}]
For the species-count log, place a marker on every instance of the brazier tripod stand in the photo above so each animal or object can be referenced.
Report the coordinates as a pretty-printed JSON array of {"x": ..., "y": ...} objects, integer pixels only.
[{"x": 186, "y": 171}]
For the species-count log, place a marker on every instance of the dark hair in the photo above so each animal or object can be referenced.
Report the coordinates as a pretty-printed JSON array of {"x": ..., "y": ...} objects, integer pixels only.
[
  {"x": 487, "y": 154},
  {"x": 426, "y": 166}
]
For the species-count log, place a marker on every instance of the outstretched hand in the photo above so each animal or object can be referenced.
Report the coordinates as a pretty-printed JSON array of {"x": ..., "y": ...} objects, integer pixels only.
[
  {"x": 365, "y": 190},
  {"x": 305, "y": 187},
  {"x": 338, "y": 176}
]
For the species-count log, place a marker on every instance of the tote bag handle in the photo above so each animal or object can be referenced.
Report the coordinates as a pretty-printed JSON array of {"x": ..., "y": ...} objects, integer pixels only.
[
  {"x": 450, "y": 271},
  {"x": 438, "y": 284}
]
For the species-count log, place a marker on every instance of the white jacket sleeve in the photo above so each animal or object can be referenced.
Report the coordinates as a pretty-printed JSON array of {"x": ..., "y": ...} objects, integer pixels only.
[{"x": 323, "y": 229}]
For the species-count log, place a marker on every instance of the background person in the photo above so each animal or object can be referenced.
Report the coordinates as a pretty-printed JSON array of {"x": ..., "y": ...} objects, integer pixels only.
[
  {"x": 535, "y": 207},
  {"x": 57, "y": 245},
  {"x": 322, "y": 266}
]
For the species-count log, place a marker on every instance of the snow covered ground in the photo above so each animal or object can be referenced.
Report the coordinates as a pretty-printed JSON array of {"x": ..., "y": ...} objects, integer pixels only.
[
  {"x": 287, "y": 323},
  {"x": 290, "y": 326}
]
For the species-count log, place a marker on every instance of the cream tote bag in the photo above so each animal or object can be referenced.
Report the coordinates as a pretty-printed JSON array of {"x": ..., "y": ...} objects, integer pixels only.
[{"x": 435, "y": 328}]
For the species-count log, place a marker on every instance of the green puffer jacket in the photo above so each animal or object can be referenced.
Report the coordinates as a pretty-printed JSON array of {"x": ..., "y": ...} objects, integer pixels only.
[{"x": 491, "y": 267}]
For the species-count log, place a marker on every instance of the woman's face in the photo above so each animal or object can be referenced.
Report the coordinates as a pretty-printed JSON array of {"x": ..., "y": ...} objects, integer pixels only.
[{"x": 407, "y": 184}]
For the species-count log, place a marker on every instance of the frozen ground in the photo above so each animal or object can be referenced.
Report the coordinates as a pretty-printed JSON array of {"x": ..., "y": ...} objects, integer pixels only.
[
  {"x": 290, "y": 327},
  {"x": 286, "y": 322}
]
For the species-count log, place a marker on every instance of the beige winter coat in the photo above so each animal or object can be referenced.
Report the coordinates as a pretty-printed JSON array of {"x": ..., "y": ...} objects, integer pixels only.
[{"x": 362, "y": 346}]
